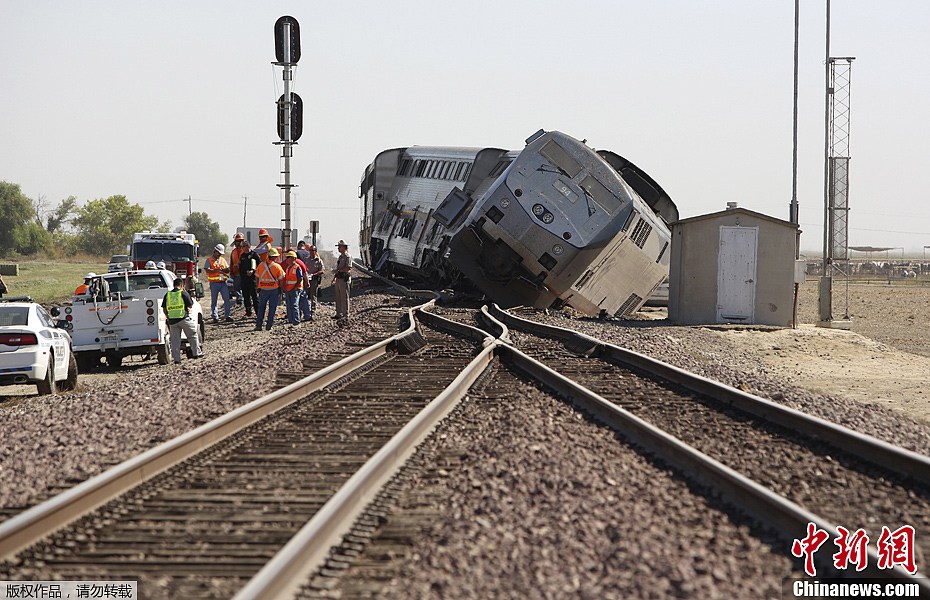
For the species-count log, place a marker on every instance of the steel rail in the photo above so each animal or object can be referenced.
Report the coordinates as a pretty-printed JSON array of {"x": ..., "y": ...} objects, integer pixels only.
[
  {"x": 25, "y": 528},
  {"x": 860, "y": 445},
  {"x": 308, "y": 550},
  {"x": 756, "y": 500}
]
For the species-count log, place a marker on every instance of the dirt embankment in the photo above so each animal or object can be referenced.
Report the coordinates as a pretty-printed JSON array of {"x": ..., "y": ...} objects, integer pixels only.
[{"x": 884, "y": 358}]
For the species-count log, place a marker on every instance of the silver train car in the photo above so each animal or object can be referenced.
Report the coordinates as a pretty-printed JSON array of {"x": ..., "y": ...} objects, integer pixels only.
[{"x": 552, "y": 224}]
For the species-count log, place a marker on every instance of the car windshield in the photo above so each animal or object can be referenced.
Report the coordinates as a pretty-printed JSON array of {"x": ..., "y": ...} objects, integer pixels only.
[
  {"x": 119, "y": 258},
  {"x": 157, "y": 250},
  {"x": 14, "y": 315},
  {"x": 136, "y": 283}
]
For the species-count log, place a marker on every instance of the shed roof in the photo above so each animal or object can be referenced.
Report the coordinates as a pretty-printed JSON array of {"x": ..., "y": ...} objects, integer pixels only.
[{"x": 733, "y": 211}]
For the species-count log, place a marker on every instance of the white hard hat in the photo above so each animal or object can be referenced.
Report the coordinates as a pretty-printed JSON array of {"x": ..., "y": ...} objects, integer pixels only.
[
  {"x": 150, "y": 264},
  {"x": 90, "y": 276},
  {"x": 160, "y": 264},
  {"x": 219, "y": 248}
]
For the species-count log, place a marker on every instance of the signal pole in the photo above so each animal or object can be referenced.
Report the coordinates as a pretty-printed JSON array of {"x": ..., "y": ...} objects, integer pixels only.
[{"x": 290, "y": 109}]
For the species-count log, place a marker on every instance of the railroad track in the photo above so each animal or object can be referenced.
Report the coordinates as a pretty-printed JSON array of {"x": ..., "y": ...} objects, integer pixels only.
[
  {"x": 234, "y": 518},
  {"x": 785, "y": 467},
  {"x": 233, "y": 492}
]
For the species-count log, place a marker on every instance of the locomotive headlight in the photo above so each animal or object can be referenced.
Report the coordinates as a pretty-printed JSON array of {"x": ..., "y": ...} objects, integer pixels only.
[
  {"x": 558, "y": 249},
  {"x": 538, "y": 209},
  {"x": 548, "y": 218},
  {"x": 505, "y": 202}
]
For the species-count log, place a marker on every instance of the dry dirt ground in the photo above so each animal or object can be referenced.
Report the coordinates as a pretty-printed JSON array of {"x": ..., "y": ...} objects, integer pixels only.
[{"x": 883, "y": 358}]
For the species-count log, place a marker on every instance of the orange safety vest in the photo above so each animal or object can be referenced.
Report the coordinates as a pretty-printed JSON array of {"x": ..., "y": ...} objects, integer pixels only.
[
  {"x": 81, "y": 289},
  {"x": 293, "y": 281},
  {"x": 213, "y": 269},
  {"x": 267, "y": 275},
  {"x": 234, "y": 257}
]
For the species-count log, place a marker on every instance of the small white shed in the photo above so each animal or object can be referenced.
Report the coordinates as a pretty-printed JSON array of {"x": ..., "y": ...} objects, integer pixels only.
[{"x": 733, "y": 266}]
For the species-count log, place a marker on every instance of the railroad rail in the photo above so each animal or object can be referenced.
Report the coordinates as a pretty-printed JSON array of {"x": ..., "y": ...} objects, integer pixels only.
[
  {"x": 221, "y": 472},
  {"x": 841, "y": 450},
  {"x": 330, "y": 429}
]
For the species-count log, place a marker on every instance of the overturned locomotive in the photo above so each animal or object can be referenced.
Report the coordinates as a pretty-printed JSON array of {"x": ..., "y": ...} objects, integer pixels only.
[{"x": 552, "y": 224}]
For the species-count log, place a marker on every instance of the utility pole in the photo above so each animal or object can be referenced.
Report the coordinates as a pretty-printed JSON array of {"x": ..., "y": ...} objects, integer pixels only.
[
  {"x": 793, "y": 208},
  {"x": 245, "y": 204},
  {"x": 290, "y": 109},
  {"x": 190, "y": 209}
]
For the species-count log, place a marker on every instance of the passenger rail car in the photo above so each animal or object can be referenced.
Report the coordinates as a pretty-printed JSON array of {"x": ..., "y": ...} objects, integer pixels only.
[{"x": 555, "y": 223}]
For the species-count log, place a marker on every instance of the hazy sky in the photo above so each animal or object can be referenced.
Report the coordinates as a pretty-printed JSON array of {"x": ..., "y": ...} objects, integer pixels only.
[{"x": 169, "y": 100}]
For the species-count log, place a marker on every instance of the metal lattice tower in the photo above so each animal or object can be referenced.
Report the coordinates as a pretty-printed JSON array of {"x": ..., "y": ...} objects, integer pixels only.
[
  {"x": 836, "y": 203},
  {"x": 838, "y": 156}
]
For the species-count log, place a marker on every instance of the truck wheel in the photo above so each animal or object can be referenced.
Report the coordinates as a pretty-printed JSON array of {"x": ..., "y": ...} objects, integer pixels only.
[
  {"x": 163, "y": 352},
  {"x": 114, "y": 360},
  {"x": 48, "y": 385},
  {"x": 70, "y": 383}
]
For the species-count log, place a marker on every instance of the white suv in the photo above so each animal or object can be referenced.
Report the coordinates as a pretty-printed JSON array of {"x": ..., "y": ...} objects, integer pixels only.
[{"x": 32, "y": 349}]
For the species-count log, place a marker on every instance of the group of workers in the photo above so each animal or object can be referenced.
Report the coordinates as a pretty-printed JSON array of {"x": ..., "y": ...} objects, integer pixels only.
[
  {"x": 261, "y": 275},
  {"x": 264, "y": 274}
]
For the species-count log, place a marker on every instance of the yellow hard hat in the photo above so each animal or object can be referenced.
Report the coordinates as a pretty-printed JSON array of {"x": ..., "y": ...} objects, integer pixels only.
[
  {"x": 273, "y": 252},
  {"x": 290, "y": 254}
]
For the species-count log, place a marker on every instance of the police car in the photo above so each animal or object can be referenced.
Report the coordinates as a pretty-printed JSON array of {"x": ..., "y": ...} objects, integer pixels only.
[{"x": 32, "y": 349}]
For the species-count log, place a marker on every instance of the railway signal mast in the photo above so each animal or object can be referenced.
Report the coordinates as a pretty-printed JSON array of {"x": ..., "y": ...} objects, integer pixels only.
[{"x": 289, "y": 109}]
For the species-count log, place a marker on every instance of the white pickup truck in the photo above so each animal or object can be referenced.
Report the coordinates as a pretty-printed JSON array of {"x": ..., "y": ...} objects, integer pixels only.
[{"x": 121, "y": 315}]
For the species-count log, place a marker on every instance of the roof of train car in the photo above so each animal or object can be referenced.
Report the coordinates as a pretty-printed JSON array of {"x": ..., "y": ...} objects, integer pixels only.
[{"x": 442, "y": 151}]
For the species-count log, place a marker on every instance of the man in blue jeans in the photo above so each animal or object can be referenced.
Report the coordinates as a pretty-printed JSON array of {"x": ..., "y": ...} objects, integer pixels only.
[
  {"x": 269, "y": 277},
  {"x": 217, "y": 270}
]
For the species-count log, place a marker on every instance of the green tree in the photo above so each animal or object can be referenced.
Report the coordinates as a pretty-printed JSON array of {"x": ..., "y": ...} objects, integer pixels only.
[
  {"x": 16, "y": 212},
  {"x": 61, "y": 215},
  {"x": 32, "y": 238},
  {"x": 205, "y": 230},
  {"x": 19, "y": 224},
  {"x": 105, "y": 226}
]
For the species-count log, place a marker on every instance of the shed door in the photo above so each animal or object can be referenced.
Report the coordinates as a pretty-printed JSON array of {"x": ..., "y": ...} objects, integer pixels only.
[{"x": 736, "y": 274}]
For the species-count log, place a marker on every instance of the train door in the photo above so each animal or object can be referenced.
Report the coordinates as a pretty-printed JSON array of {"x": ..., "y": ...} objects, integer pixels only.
[{"x": 736, "y": 274}]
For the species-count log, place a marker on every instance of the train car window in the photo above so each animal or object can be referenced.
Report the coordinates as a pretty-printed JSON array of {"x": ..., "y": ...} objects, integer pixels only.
[
  {"x": 604, "y": 197},
  {"x": 467, "y": 172},
  {"x": 458, "y": 171},
  {"x": 446, "y": 168},
  {"x": 557, "y": 155}
]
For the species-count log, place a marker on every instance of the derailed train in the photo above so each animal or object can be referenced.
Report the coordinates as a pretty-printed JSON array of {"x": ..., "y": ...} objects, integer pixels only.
[{"x": 552, "y": 224}]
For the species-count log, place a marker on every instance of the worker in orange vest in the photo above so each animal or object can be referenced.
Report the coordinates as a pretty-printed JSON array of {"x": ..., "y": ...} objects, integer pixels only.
[
  {"x": 294, "y": 277},
  {"x": 264, "y": 243},
  {"x": 234, "y": 256},
  {"x": 269, "y": 277},
  {"x": 217, "y": 270},
  {"x": 85, "y": 287}
]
